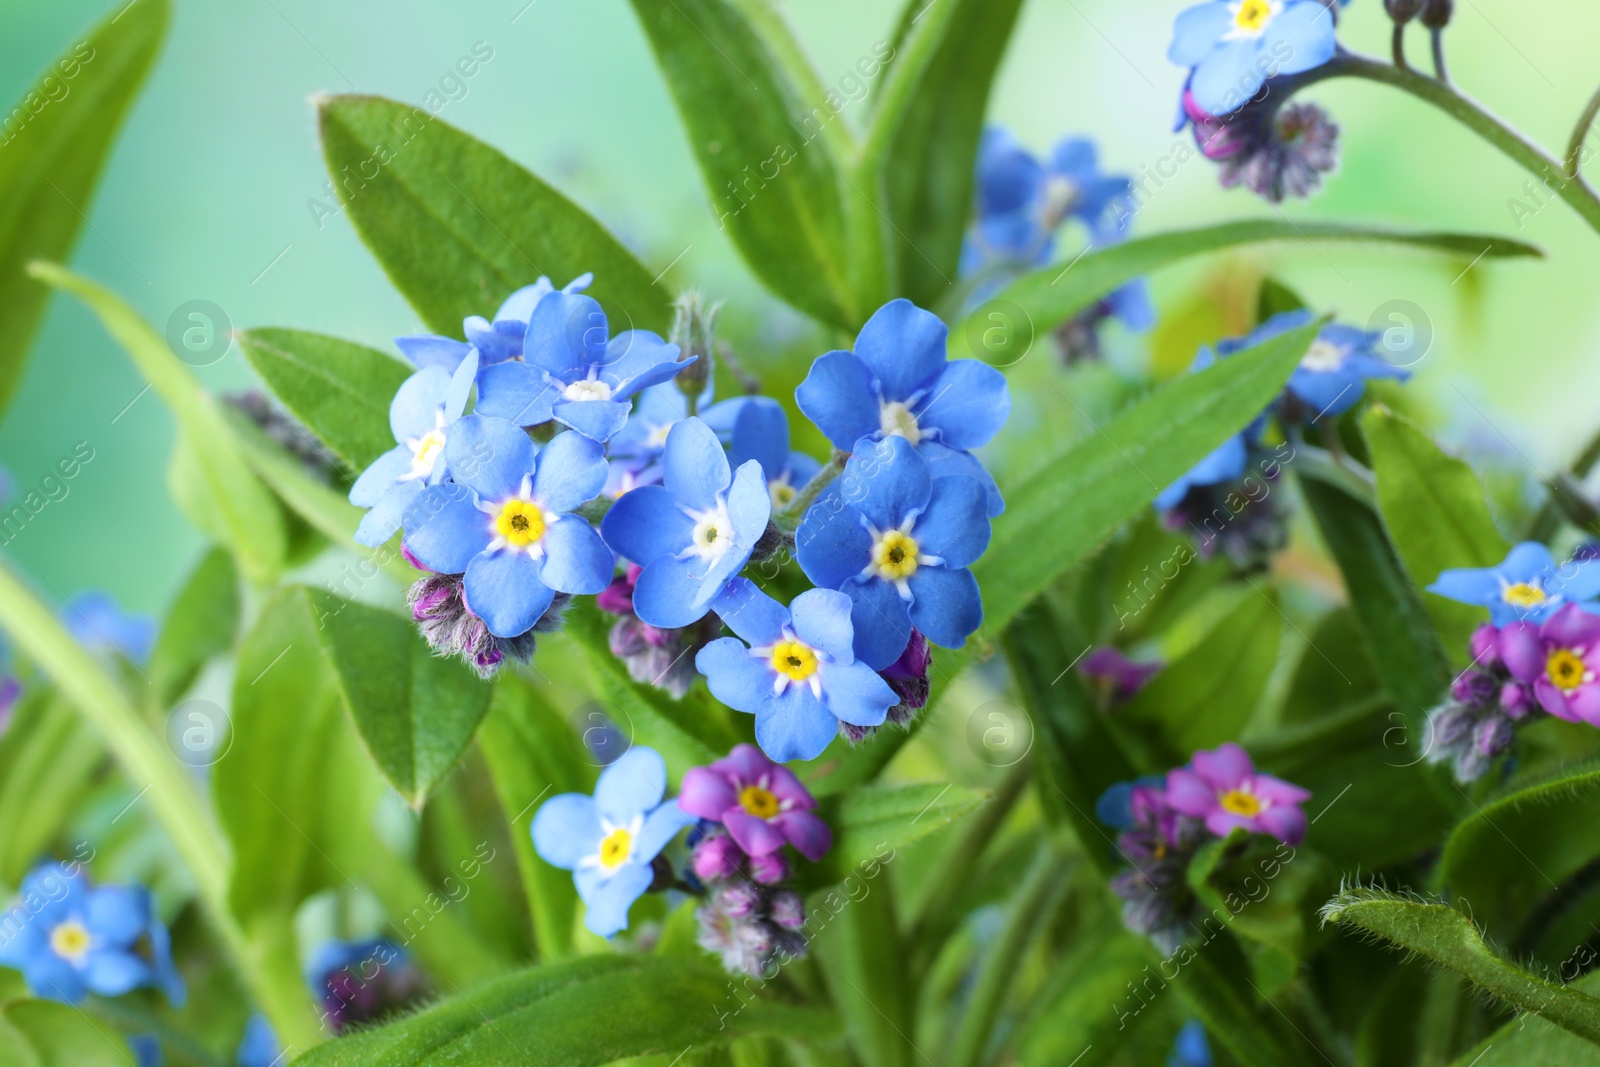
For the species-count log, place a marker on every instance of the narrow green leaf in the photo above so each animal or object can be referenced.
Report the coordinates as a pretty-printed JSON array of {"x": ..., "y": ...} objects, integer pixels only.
[
  {"x": 458, "y": 227},
  {"x": 1525, "y": 1042},
  {"x": 247, "y": 516},
  {"x": 48, "y": 756},
  {"x": 1075, "y": 501},
  {"x": 1051, "y": 295},
  {"x": 578, "y": 1013},
  {"x": 416, "y": 712},
  {"x": 201, "y": 624},
  {"x": 1443, "y": 935},
  {"x": 55, "y": 140},
  {"x": 872, "y": 822},
  {"x": 1231, "y": 1016},
  {"x": 1264, "y": 890},
  {"x": 42, "y": 1033},
  {"x": 1436, "y": 515},
  {"x": 860, "y": 953},
  {"x": 338, "y": 389},
  {"x": 768, "y": 163}
]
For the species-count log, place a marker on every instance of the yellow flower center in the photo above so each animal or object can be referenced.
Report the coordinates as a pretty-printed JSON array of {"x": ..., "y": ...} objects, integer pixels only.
[
  {"x": 1252, "y": 16},
  {"x": 794, "y": 660},
  {"x": 615, "y": 847},
  {"x": 758, "y": 801},
  {"x": 1566, "y": 670},
  {"x": 1523, "y": 595},
  {"x": 782, "y": 494},
  {"x": 1238, "y": 802},
  {"x": 426, "y": 452},
  {"x": 70, "y": 940},
  {"x": 895, "y": 555},
  {"x": 520, "y": 523},
  {"x": 896, "y": 420}
]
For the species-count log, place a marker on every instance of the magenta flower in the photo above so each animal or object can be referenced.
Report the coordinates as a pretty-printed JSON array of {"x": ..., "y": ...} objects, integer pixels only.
[
  {"x": 1223, "y": 788},
  {"x": 762, "y": 804},
  {"x": 1122, "y": 676},
  {"x": 1559, "y": 658}
]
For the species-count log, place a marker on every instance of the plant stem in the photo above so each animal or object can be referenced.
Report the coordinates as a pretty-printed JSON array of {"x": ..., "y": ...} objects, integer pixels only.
[
  {"x": 1398, "y": 47},
  {"x": 1580, "y": 134},
  {"x": 1438, "y": 56},
  {"x": 811, "y": 490},
  {"x": 162, "y": 779}
]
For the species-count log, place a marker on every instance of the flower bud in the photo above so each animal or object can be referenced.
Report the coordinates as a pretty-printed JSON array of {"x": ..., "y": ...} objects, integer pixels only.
[
  {"x": 1515, "y": 699},
  {"x": 769, "y": 869},
  {"x": 694, "y": 324},
  {"x": 740, "y": 900},
  {"x": 1436, "y": 13},
  {"x": 788, "y": 909},
  {"x": 1485, "y": 646},
  {"x": 1474, "y": 688},
  {"x": 1403, "y": 11},
  {"x": 1492, "y": 736}
]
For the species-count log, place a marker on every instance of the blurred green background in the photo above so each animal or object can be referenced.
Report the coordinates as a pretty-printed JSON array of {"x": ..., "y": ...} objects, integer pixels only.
[{"x": 207, "y": 197}]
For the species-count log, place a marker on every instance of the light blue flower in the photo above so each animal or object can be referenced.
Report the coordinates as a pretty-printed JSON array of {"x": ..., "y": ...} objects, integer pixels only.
[
  {"x": 898, "y": 542},
  {"x": 146, "y": 1050},
  {"x": 761, "y": 433},
  {"x": 1332, "y": 376},
  {"x": 259, "y": 1047},
  {"x": 495, "y": 341},
  {"x": 574, "y": 372},
  {"x": 70, "y": 939},
  {"x": 1190, "y": 1049},
  {"x": 637, "y": 448},
  {"x": 97, "y": 621},
  {"x": 1226, "y": 463},
  {"x": 609, "y": 841},
  {"x": 506, "y": 521},
  {"x": 795, "y": 669},
  {"x": 420, "y": 417},
  {"x": 1234, "y": 46},
  {"x": 693, "y": 532},
  {"x": 897, "y": 382},
  {"x": 1529, "y": 586}
]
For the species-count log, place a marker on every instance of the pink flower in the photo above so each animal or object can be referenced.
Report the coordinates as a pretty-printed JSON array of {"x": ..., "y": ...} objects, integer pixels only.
[
  {"x": 1559, "y": 658},
  {"x": 1223, "y": 788},
  {"x": 762, "y": 804}
]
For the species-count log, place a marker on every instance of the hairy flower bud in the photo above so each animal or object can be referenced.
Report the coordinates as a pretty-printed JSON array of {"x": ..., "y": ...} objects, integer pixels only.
[
  {"x": 694, "y": 324},
  {"x": 1436, "y": 13},
  {"x": 438, "y": 603}
]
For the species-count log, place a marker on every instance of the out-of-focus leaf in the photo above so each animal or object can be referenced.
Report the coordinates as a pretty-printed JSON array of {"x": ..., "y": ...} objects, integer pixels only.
[
  {"x": 1078, "y": 1021},
  {"x": 874, "y": 821},
  {"x": 458, "y": 227},
  {"x": 1335, "y": 670},
  {"x": 576, "y": 1013},
  {"x": 247, "y": 519},
  {"x": 1530, "y": 1041},
  {"x": 338, "y": 389},
  {"x": 1436, "y": 515},
  {"x": 1439, "y": 933},
  {"x": 48, "y": 755},
  {"x": 56, "y": 138},
  {"x": 856, "y": 942},
  {"x": 1264, "y": 890},
  {"x": 42, "y": 1033},
  {"x": 1276, "y": 298},
  {"x": 202, "y": 623}
]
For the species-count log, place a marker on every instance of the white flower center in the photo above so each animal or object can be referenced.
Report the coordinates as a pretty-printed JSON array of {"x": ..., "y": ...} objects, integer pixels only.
[
  {"x": 895, "y": 419},
  {"x": 657, "y": 438},
  {"x": 713, "y": 532},
  {"x": 1324, "y": 357},
  {"x": 588, "y": 389}
]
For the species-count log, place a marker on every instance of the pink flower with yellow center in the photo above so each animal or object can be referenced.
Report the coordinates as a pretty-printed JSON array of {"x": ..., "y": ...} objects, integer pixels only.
[
  {"x": 762, "y": 804},
  {"x": 1223, "y": 788},
  {"x": 1560, "y": 659}
]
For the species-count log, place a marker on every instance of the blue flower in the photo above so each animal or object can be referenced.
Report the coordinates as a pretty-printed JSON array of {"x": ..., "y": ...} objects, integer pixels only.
[
  {"x": 1190, "y": 1049},
  {"x": 506, "y": 521},
  {"x": 574, "y": 372},
  {"x": 1529, "y": 586},
  {"x": 1333, "y": 374},
  {"x": 609, "y": 841},
  {"x": 96, "y": 621},
  {"x": 637, "y": 448},
  {"x": 260, "y": 1047},
  {"x": 70, "y": 939},
  {"x": 361, "y": 982},
  {"x": 426, "y": 406},
  {"x": 692, "y": 533},
  {"x": 761, "y": 433},
  {"x": 897, "y": 382},
  {"x": 496, "y": 342},
  {"x": 1226, "y": 463},
  {"x": 146, "y": 1050},
  {"x": 1234, "y": 46},
  {"x": 898, "y": 541},
  {"x": 1114, "y": 807},
  {"x": 798, "y": 676}
]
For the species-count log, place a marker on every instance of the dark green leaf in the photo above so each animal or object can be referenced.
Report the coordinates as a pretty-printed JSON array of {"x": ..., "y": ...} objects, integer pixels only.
[
  {"x": 1264, "y": 890},
  {"x": 48, "y": 755},
  {"x": 42, "y": 1033},
  {"x": 1533, "y": 1042},
  {"x": 766, "y": 152},
  {"x": 56, "y": 138},
  {"x": 202, "y": 623},
  {"x": 1276, "y": 298},
  {"x": 872, "y": 822},
  {"x": 1334, "y": 672},
  {"x": 1050, "y": 296},
  {"x": 340, "y": 390},
  {"x": 458, "y": 227},
  {"x": 856, "y": 941},
  {"x": 575, "y": 1014}
]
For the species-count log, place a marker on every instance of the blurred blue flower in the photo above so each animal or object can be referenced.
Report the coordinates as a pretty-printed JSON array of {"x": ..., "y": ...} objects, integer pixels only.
[
  {"x": 1022, "y": 200},
  {"x": 573, "y": 371},
  {"x": 1528, "y": 586},
  {"x": 96, "y": 621},
  {"x": 146, "y": 1049},
  {"x": 898, "y": 542},
  {"x": 259, "y": 1047},
  {"x": 1332, "y": 376},
  {"x": 1114, "y": 807},
  {"x": 1234, "y": 46},
  {"x": 506, "y": 521},
  {"x": 692, "y": 533},
  {"x": 897, "y": 382},
  {"x": 427, "y": 404},
  {"x": 70, "y": 939},
  {"x": 495, "y": 341},
  {"x": 1190, "y": 1049},
  {"x": 798, "y": 676},
  {"x": 610, "y": 841},
  {"x": 761, "y": 433},
  {"x": 1228, "y": 460}
]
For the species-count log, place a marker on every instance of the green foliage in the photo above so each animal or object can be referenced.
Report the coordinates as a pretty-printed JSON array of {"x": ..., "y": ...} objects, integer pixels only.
[
  {"x": 871, "y": 823},
  {"x": 51, "y": 164},
  {"x": 48, "y": 756},
  {"x": 1532, "y": 1041},
  {"x": 201, "y": 624},
  {"x": 41, "y": 1033}
]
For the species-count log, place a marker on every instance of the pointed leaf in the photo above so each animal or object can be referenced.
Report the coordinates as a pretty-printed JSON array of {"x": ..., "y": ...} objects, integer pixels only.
[{"x": 201, "y": 624}]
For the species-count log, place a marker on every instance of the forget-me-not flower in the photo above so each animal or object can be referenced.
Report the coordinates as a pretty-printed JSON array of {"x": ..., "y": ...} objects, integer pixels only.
[
  {"x": 506, "y": 521},
  {"x": 761, "y": 803},
  {"x": 495, "y": 341},
  {"x": 1528, "y": 586},
  {"x": 97, "y": 621},
  {"x": 1333, "y": 373},
  {"x": 1234, "y": 46},
  {"x": 1223, "y": 788},
  {"x": 609, "y": 841},
  {"x": 761, "y": 433}
]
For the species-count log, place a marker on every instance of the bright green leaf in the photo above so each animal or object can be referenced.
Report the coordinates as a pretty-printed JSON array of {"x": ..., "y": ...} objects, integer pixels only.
[
  {"x": 201, "y": 624},
  {"x": 42, "y": 1033},
  {"x": 1529, "y": 1041},
  {"x": 50, "y": 161},
  {"x": 458, "y": 227},
  {"x": 48, "y": 756}
]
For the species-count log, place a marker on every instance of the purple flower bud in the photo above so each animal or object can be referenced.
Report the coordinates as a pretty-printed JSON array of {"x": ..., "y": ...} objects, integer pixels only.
[
  {"x": 769, "y": 869},
  {"x": 716, "y": 858},
  {"x": 1448, "y": 725},
  {"x": 1474, "y": 688},
  {"x": 1486, "y": 646},
  {"x": 1516, "y": 700},
  {"x": 1124, "y": 677},
  {"x": 1492, "y": 736},
  {"x": 788, "y": 909},
  {"x": 740, "y": 900}
]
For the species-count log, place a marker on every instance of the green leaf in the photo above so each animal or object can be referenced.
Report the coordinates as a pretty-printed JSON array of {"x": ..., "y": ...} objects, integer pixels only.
[
  {"x": 1264, "y": 890},
  {"x": 764, "y": 150},
  {"x": 458, "y": 227},
  {"x": 577, "y": 1013},
  {"x": 1533, "y": 1042},
  {"x": 1051, "y": 295},
  {"x": 1083, "y": 493},
  {"x": 1436, "y": 515},
  {"x": 855, "y": 939},
  {"x": 339, "y": 390},
  {"x": 1443, "y": 935},
  {"x": 415, "y": 711},
  {"x": 42, "y": 1033},
  {"x": 1209, "y": 694},
  {"x": 57, "y": 137},
  {"x": 248, "y": 520},
  {"x": 201, "y": 624},
  {"x": 871, "y": 823},
  {"x": 1231, "y": 1016},
  {"x": 924, "y": 138},
  {"x": 48, "y": 756}
]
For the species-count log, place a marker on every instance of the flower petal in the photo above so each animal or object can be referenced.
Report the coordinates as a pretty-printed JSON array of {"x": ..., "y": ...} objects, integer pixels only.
[
  {"x": 571, "y": 471},
  {"x": 1225, "y": 767},
  {"x": 445, "y": 529},
  {"x": 796, "y": 726},
  {"x": 379, "y": 478},
  {"x": 831, "y": 543},
  {"x": 646, "y": 524},
  {"x": 566, "y": 335},
  {"x": 665, "y": 593},
  {"x": 503, "y": 589},
  {"x": 706, "y": 793},
  {"x": 632, "y": 785},
  {"x": 822, "y": 620},
  {"x": 1189, "y": 794},
  {"x": 837, "y": 396},
  {"x": 881, "y": 621},
  {"x": 855, "y": 694},
  {"x": 566, "y": 829},
  {"x": 903, "y": 347},
  {"x": 968, "y": 405},
  {"x": 118, "y": 914},
  {"x": 638, "y": 359},
  {"x": 660, "y": 827},
  {"x": 598, "y": 420},
  {"x": 517, "y": 392},
  {"x": 1287, "y": 824},
  {"x": 575, "y": 559},
  {"x": 955, "y": 524},
  {"x": 695, "y": 468},
  {"x": 414, "y": 409},
  {"x": 946, "y": 605},
  {"x": 735, "y": 677},
  {"x": 806, "y": 831},
  {"x": 385, "y": 517},
  {"x": 1197, "y": 32},
  {"x": 489, "y": 456},
  {"x": 753, "y": 615},
  {"x": 761, "y": 433},
  {"x": 1522, "y": 650},
  {"x": 1227, "y": 78},
  {"x": 756, "y": 836},
  {"x": 887, "y": 481},
  {"x": 606, "y": 909},
  {"x": 429, "y": 350}
]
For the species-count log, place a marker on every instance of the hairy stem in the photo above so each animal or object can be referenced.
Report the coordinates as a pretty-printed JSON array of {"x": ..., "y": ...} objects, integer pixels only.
[{"x": 811, "y": 490}]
